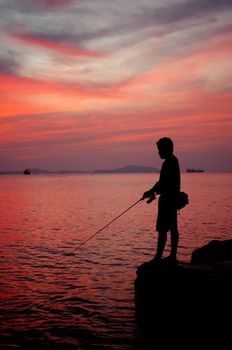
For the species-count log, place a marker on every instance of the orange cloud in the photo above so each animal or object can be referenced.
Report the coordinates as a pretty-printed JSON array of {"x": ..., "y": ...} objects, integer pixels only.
[
  {"x": 176, "y": 78},
  {"x": 29, "y": 96},
  {"x": 185, "y": 97}
]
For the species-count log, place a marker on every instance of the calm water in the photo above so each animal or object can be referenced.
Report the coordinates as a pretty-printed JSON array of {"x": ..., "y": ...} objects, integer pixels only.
[{"x": 87, "y": 301}]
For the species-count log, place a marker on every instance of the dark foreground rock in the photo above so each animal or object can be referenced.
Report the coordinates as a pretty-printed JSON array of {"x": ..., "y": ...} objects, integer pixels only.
[
  {"x": 192, "y": 298},
  {"x": 214, "y": 251}
]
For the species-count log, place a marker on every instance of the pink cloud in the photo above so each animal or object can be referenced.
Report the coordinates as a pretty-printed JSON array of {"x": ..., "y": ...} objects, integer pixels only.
[
  {"x": 177, "y": 98},
  {"x": 58, "y": 47},
  {"x": 53, "y": 3}
]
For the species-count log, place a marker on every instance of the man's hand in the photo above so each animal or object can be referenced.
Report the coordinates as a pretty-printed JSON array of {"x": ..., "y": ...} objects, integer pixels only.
[
  {"x": 151, "y": 199},
  {"x": 148, "y": 194}
]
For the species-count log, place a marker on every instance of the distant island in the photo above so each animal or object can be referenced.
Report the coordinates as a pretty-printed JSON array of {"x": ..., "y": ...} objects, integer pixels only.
[
  {"x": 192, "y": 170},
  {"x": 122, "y": 170},
  {"x": 128, "y": 169}
]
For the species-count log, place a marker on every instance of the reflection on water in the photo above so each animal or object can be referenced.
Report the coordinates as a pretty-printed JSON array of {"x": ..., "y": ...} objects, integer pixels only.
[{"x": 87, "y": 301}]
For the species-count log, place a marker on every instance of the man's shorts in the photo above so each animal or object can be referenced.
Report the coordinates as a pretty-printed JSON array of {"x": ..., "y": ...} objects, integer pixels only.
[{"x": 167, "y": 214}]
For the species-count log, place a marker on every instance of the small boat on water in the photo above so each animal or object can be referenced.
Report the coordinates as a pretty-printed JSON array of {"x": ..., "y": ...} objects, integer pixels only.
[
  {"x": 27, "y": 172},
  {"x": 192, "y": 170}
]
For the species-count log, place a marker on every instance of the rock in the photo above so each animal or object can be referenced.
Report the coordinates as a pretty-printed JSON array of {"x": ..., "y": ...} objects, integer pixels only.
[
  {"x": 214, "y": 251},
  {"x": 192, "y": 297}
]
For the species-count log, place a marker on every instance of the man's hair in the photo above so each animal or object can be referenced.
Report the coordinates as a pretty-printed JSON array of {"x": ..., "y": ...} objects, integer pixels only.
[{"x": 166, "y": 143}]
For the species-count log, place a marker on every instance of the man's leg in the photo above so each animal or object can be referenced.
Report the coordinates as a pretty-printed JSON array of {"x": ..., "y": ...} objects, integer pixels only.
[
  {"x": 174, "y": 241},
  {"x": 162, "y": 238}
]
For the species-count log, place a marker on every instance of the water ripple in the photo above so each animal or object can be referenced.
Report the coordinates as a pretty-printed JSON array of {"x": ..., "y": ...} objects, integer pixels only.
[{"x": 86, "y": 301}]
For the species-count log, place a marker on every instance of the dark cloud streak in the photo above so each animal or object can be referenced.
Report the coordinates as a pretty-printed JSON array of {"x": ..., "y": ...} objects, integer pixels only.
[
  {"x": 33, "y": 6},
  {"x": 144, "y": 19},
  {"x": 161, "y": 19},
  {"x": 182, "y": 11},
  {"x": 9, "y": 66}
]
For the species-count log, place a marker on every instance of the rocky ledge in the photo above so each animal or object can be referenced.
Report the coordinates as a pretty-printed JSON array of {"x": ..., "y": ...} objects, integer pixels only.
[{"x": 194, "y": 297}]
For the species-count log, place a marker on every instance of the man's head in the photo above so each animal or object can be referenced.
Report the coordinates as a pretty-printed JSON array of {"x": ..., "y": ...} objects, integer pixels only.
[{"x": 165, "y": 147}]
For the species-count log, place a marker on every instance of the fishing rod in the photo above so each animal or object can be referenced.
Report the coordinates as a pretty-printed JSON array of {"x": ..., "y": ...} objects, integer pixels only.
[
  {"x": 92, "y": 236},
  {"x": 89, "y": 238}
]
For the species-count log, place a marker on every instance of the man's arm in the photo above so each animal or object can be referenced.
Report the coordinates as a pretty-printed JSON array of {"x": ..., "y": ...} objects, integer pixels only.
[{"x": 155, "y": 189}]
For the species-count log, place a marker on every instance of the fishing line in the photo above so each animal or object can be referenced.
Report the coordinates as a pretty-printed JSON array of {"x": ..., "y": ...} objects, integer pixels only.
[
  {"x": 89, "y": 238},
  {"x": 83, "y": 243}
]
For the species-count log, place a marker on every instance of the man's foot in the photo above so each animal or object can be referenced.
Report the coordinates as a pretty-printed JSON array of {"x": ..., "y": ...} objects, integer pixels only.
[
  {"x": 170, "y": 260},
  {"x": 155, "y": 260},
  {"x": 150, "y": 263}
]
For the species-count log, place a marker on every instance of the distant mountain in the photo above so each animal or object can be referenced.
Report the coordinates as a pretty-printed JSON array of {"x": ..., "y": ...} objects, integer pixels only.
[
  {"x": 61, "y": 171},
  {"x": 128, "y": 169},
  {"x": 193, "y": 170},
  {"x": 122, "y": 170},
  {"x": 37, "y": 171}
]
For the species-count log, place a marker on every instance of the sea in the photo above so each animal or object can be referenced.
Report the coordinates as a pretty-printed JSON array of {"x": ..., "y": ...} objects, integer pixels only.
[{"x": 66, "y": 283}]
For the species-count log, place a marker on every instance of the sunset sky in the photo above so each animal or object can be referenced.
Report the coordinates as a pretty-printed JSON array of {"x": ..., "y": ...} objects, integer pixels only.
[{"x": 89, "y": 84}]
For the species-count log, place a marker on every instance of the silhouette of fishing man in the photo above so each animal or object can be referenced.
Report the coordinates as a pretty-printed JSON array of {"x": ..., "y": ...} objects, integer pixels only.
[{"x": 167, "y": 187}]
